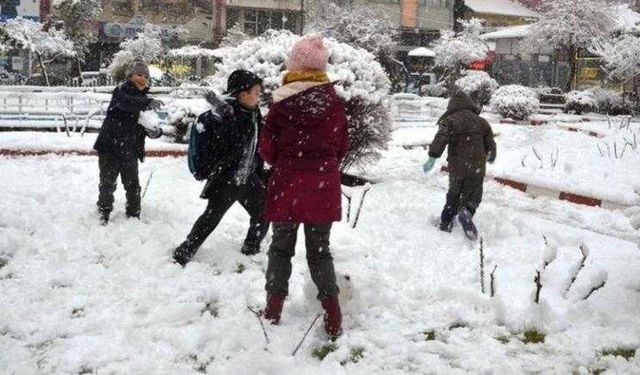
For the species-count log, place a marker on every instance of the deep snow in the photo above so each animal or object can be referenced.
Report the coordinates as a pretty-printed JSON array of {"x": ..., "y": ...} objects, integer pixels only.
[{"x": 77, "y": 297}]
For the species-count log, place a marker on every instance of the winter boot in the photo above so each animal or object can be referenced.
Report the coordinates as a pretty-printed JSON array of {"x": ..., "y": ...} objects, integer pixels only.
[
  {"x": 104, "y": 218},
  {"x": 446, "y": 226},
  {"x": 250, "y": 248},
  {"x": 133, "y": 216},
  {"x": 465, "y": 219},
  {"x": 274, "y": 307},
  {"x": 332, "y": 317},
  {"x": 180, "y": 257}
]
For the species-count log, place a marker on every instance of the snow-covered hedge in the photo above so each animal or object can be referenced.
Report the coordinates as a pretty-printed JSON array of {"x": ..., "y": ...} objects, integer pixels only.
[
  {"x": 515, "y": 102},
  {"x": 478, "y": 85},
  {"x": 360, "y": 81},
  {"x": 580, "y": 102},
  {"x": 611, "y": 102}
]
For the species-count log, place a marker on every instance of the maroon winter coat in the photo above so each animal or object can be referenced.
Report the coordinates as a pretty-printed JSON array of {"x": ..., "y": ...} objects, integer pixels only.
[{"x": 304, "y": 139}]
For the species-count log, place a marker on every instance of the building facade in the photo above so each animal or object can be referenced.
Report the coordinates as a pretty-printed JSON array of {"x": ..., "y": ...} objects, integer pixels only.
[
  {"x": 418, "y": 20},
  {"x": 257, "y": 16}
]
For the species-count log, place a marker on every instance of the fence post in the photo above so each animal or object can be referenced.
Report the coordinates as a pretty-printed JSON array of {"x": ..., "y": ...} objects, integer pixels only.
[{"x": 20, "y": 107}]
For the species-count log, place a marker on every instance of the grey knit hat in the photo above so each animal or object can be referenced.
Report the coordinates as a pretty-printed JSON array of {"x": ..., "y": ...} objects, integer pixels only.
[{"x": 138, "y": 66}]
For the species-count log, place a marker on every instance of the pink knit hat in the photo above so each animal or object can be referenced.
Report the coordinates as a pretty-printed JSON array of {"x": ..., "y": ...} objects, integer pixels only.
[{"x": 308, "y": 54}]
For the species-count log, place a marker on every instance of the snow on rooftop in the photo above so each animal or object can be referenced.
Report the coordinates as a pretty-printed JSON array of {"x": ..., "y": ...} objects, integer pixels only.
[
  {"x": 422, "y": 52},
  {"x": 502, "y": 7},
  {"x": 193, "y": 51},
  {"x": 519, "y": 31}
]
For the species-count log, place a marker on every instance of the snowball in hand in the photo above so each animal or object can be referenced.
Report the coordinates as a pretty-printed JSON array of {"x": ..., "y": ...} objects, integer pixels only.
[{"x": 149, "y": 120}]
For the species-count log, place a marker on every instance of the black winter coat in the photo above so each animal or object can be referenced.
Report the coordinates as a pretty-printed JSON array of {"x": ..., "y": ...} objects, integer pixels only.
[
  {"x": 121, "y": 135},
  {"x": 230, "y": 129},
  {"x": 469, "y": 137}
]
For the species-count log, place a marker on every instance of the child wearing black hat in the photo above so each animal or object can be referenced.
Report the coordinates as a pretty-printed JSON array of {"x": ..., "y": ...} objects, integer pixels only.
[
  {"x": 237, "y": 171},
  {"x": 120, "y": 143}
]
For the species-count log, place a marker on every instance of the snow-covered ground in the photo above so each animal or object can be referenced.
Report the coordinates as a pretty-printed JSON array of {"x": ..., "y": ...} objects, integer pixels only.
[{"x": 80, "y": 298}]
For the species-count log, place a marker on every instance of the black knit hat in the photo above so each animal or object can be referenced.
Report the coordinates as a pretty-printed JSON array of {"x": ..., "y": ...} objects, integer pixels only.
[{"x": 241, "y": 80}]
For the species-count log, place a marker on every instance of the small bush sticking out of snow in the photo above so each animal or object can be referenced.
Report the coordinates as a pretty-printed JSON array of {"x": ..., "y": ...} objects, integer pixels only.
[
  {"x": 429, "y": 335},
  {"x": 533, "y": 337},
  {"x": 515, "y": 102},
  {"x": 478, "y": 85},
  {"x": 321, "y": 352},
  {"x": 580, "y": 102},
  {"x": 626, "y": 353}
]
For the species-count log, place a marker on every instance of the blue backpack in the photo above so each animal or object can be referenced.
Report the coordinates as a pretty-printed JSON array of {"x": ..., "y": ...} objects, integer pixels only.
[{"x": 199, "y": 155}]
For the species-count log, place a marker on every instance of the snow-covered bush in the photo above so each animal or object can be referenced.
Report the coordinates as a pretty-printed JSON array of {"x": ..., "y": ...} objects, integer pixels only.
[
  {"x": 515, "y": 102},
  {"x": 181, "y": 120},
  {"x": 478, "y": 85},
  {"x": 611, "y": 102},
  {"x": 147, "y": 44},
  {"x": 359, "y": 80},
  {"x": 580, "y": 102}
]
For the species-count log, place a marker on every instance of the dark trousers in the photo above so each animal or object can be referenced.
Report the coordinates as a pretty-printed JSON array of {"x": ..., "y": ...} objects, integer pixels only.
[
  {"x": 251, "y": 196},
  {"x": 110, "y": 168},
  {"x": 318, "y": 257},
  {"x": 464, "y": 192}
]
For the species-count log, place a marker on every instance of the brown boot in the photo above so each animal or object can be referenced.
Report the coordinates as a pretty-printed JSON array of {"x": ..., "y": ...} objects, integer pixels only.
[
  {"x": 274, "y": 307},
  {"x": 332, "y": 317}
]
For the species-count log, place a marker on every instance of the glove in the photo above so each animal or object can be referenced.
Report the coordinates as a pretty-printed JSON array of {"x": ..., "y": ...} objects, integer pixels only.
[
  {"x": 155, "y": 132},
  {"x": 428, "y": 165},
  {"x": 155, "y": 104}
]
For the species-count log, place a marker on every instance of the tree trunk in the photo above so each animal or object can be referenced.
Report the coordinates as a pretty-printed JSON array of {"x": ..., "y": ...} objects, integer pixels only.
[
  {"x": 574, "y": 68},
  {"x": 43, "y": 68}
]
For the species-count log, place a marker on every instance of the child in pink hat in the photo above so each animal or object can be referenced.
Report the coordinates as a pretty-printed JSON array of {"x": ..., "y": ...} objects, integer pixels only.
[{"x": 304, "y": 139}]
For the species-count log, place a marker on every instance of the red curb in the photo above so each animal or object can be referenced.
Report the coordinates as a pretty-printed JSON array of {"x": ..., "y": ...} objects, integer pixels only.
[
  {"x": 537, "y": 122},
  {"x": 580, "y": 199},
  {"x": 563, "y": 196},
  {"x": 150, "y": 153},
  {"x": 512, "y": 184}
]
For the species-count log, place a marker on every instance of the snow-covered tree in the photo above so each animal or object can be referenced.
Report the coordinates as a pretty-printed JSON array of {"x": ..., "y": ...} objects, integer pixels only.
[
  {"x": 147, "y": 45},
  {"x": 75, "y": 15},
  {"x": 360, "y": 27},
  {"x": 360, "y": 81},
  {"x": 568, "y": 25},
  {"x": 454, "y": 51},
  {"x": 45, "y": 45},
  {"x": 621, "y": 55},
  {"x": 235, "y": 36}
]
